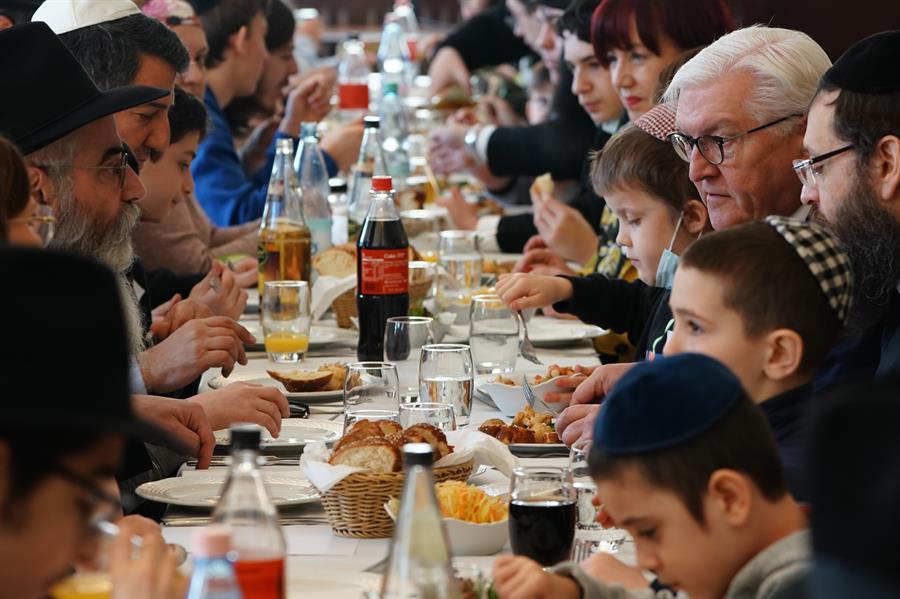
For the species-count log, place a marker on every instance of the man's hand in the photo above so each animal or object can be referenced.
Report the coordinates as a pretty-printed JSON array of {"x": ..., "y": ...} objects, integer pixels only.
[
  {"x": 517, "y": 577},
  {"x": 179, "y": 314},
  {"x": 199, "y": 345},
  {"x": 600, "y": 382},
  {"x": 463, "y": 214},
  {"x": 535, "y": 242},
  {"x": 310, "y": 101},
  {"x": 446, "y": 69},
  {"x": 605, "y": 567},
  {"x": 246, "y": 273},
  {"x": 576, "y": 423},
  {"x": 543, "y": 261},
  {"x": 447, "y": 151},
  {"x": 243, "y": 402},
  {"x": 563, "y": 228},
  {"x": 152, "y": 573},
  {"x": 220, "y": 291},
  {"x": 255, "y": 148},
  {"x": 186, "y": 422},
  {"x": 342, "y": 144},
  {"x": 520, "y": 291}
]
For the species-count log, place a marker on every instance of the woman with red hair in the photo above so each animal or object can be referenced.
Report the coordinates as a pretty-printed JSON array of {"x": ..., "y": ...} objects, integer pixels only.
[{"x": 637, "y": 39}]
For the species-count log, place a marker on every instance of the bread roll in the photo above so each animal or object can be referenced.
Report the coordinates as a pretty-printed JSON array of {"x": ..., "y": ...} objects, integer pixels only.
[
  {"x": 335, "y": 262},
  {"x": 300, "y": 381},
  {"x": 375, "y": 454}
]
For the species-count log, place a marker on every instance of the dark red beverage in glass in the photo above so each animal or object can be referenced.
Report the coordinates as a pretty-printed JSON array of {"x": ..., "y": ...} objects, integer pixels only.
[
  {"x": 542, "y": 530},
  {"x": 382, "y": 270}
]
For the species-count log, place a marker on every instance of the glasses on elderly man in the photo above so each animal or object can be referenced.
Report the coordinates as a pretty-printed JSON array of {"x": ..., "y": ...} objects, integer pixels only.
[
  {"x": 117, "y": 171},
  {"x": 805, "y": 168},
  {"x": 712, "y": 147}
]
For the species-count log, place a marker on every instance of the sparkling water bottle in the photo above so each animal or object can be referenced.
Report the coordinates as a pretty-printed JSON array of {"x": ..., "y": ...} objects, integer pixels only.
[
  {"x": 394, "y": 135},
  {"x": 312, "y": 187}
]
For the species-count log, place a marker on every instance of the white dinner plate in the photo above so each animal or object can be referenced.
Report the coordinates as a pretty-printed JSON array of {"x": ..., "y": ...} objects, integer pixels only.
[
  {"x": 309, "y": 397},
  {"x": 205, "y": 490},
  {"x": 295, "y": 432},
  {"x": 554, "y": 332},
  {"x": 319, "y": 336}
]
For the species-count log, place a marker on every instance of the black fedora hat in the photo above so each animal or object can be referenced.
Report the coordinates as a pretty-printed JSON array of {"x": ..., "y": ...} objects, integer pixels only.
[
  {"x": 64, "y": 362},
  {"x": 47, "y": 94}
]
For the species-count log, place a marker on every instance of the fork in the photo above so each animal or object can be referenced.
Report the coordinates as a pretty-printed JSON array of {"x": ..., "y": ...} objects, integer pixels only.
[
  {"x": 533, "y": 400},
  {"x": 526, "y": 348}
]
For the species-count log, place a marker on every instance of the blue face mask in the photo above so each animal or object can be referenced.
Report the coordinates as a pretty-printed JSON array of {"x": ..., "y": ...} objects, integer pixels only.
[{"x": 668, "y": 262}]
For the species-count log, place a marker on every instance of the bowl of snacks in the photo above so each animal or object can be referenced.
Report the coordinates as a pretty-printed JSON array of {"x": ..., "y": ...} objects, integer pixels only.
[
  {"x": 507, "y": 394},
  {"x": 475, "y": 518}
]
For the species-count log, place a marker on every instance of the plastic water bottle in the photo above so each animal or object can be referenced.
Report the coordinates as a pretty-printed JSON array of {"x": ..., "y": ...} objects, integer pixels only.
[
  {"x": 394, "y": 63},
  {"x": 312, "y": 187},
  {"x": 213, "y": 576},
  {"x": 406, "y": 17},
  {"x": 419, "y": 563},
  {"x": 353, "y": 80},
  {"x": 246, "y": 509},
  {"x": 394, "y": 135}
]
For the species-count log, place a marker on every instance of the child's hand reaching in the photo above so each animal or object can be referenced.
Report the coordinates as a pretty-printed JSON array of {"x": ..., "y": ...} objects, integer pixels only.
[
  {"x": 517, "y": 577},
  {"x": 520, "y": 291}
]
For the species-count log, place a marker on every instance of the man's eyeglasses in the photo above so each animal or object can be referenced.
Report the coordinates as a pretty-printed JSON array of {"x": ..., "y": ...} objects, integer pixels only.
[
  {"x": 108, "y": 506},
  {"x": 712, "y": 147},
  {"x": 119, "y": 170},
  {"x": 42, "y": 223},
  {"x": 804, "y": 168}
]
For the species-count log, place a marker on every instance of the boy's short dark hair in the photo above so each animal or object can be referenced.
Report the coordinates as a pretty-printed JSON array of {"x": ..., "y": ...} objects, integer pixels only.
[
  {"x": 222, "y": 19},
  {"x": 187, "y": 115},
  {"x": 740, "y": 441},
  {"x": 281, "y": 25},
  {"x": 769, "y": 285},
  {"x": 636, "y": 158},
  {"x": 111, "y": 52},
  {"x": 668, "y": 73},
  {"x": 577, "y": 19}
]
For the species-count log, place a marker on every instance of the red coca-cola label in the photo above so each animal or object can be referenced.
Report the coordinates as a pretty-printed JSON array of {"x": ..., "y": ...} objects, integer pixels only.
[
  {"x": 385, "y": 272},
  {"x": 353, "y": 96}
]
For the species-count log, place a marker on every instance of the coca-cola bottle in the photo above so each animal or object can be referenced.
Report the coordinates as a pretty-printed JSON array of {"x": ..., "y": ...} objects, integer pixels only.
[{"x": 382, "y": 270}]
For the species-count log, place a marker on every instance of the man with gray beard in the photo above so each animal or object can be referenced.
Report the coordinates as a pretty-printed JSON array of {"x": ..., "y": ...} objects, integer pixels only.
[{"x": 852, "y": 176}]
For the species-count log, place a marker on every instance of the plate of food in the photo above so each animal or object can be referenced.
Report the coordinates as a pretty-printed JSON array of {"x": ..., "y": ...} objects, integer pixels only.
[
  {"x": 295, "y": 433},
  {"x": 475, "y": 518},
  {"x": 324, "y": 384},
  {"x": 204, "y": 490},
  {"x": 507, "y": 394},
  {"x": 530, "y": 433},
  {"x": 554, "y": 332}
]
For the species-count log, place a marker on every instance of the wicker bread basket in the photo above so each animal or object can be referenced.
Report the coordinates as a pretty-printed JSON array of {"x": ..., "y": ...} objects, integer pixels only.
[
  {"x": 344, "y": 305},
  {"x": 355, "y": 506}
]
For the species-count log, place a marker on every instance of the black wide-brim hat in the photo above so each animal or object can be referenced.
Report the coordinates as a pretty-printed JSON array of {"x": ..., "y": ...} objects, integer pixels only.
[
  {"x": 64, "y": 360},
  {"x": 48, "y": 93}
]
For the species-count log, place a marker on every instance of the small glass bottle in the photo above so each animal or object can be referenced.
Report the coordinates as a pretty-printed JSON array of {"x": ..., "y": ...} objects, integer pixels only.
[
  {"x": 284, "y": 239},
  {"x": 340, "y": 215},
  {"x": 312, "y": 187},
  {"x": 370, "y": 163},
  {"x": 420, "y": 561},
  {"x": 245, "y": 508},
  {"x": 213, "y": 574}
]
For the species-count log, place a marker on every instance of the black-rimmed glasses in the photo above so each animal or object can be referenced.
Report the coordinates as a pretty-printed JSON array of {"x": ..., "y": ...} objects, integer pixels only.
[
  {"x": 108, "y": 506},
  {"x": 804, "y": 168},
  {"x": 712, "y": 147}
]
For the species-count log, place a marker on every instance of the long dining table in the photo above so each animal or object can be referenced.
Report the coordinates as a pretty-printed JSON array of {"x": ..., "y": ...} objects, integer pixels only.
[{"x": 319, "y": 564}]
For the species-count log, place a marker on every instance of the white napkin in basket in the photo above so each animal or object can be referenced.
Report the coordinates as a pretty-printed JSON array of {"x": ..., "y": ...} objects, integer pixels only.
[
  {"x": 466, "y": 445},
  {"x": 325, "y": 290}
]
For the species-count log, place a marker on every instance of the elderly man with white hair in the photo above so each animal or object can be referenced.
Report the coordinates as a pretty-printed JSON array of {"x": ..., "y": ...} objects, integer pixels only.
[{"x": 740, "y": 115}]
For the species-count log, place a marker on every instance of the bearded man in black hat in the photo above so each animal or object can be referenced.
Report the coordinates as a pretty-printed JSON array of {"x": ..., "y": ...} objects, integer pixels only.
[{"x": 852, "y": 176}]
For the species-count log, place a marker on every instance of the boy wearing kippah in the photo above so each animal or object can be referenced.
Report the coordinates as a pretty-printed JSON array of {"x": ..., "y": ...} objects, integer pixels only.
[
  {"x": 768, "y": 300},
  {"x": 697, "y": 481}
]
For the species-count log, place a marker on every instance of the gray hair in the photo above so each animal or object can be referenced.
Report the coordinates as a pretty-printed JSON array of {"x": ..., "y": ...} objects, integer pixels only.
[{"x": 786, "y": 65}]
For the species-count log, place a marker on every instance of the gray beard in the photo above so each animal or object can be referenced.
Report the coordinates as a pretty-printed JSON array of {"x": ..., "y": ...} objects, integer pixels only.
[
  {"x": 871, "y": 238},
  {"x": 112, "y": 245}
]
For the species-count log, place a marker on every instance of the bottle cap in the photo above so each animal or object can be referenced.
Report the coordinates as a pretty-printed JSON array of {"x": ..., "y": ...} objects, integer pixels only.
[
  {"x": 371, "y": 122},
  {"x": 213, "y": 541},
  {"x": 382, "y": 183},
  {"x": 337, "y": 185},
  {"x": 245, "y": 436},
  {"x": 390, "y": 87},
  {"x": 417, "y": 454}
]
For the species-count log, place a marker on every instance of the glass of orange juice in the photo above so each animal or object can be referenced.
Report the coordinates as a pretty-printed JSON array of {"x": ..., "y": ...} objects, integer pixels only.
[
  {"x": 84, "y": 585},
  {"x": 285, "y": 320}
]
